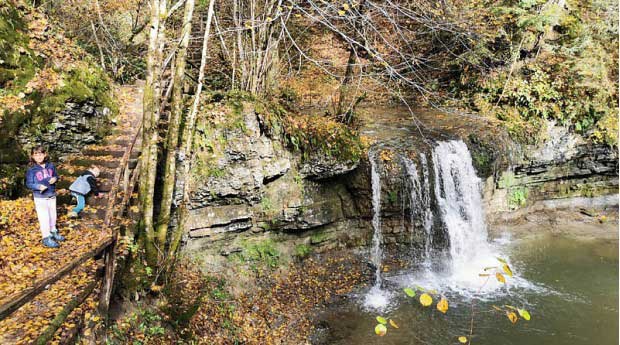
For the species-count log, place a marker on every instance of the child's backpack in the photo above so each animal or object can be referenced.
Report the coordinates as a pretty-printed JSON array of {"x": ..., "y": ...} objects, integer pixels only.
[{"x": 80, "y": 185}]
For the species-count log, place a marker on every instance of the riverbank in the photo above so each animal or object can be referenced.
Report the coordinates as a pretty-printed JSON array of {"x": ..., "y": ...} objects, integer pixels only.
[{"x": 582, "y": 223}]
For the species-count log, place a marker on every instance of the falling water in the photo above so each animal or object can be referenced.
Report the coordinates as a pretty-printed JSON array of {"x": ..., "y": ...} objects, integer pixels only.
[
  {"x": 376, "y": 298},
  {"x": 458, "y": 194},
  {"x": 376, "y": 254},
  {"x": 420, "y": 202}
]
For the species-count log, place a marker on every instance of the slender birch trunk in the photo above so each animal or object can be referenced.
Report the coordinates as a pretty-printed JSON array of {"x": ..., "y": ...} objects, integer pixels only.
[
  {"x": 188, "y": 134},
  {"x": 149, "y": 132},
  {"x": 172, "y": 137}
]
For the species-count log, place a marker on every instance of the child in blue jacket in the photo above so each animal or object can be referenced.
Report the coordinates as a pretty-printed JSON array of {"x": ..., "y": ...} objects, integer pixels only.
[
  {"x": 84, "y": 184},
  {"x": 41, "y": 178}
]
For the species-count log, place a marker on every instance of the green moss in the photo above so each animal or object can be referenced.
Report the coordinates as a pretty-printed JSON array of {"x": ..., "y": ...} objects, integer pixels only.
[
  {"x": 302, "y": 250},
  {"x": 257, "y": 255},
  {"x": 393, "y": 196},
  {"x": 266, "y": 204},
  {"x": 517, "y": 197},
  {"x": 319, "y": 237}
]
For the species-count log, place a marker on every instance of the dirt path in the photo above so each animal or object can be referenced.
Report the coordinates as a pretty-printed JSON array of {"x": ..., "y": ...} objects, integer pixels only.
[{"x": 25, "y": 261}]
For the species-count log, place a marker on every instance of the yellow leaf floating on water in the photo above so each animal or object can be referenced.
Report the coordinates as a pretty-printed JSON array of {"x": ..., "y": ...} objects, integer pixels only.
[
  {"x": 524, "y": 314},
  {"x": 512, "y": 317},
  {"x": 426, "y": 299},
  {"x": 381, "y": 320},
  {"x": 507, "y": 270},
  {"x": 462, "y": 339},
  {"x": 500, "y": 278},
  {"x": 393, "y": 324},
  {"x": 341, "y": 13},
  {"x": 442, "y": 306},
  {"x": 380, "y": 330}
]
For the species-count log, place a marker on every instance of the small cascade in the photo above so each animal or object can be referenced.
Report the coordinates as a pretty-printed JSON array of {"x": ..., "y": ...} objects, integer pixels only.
[
  {"x": 420, "y": 200},
  {"x": 376, "y": 253},
  {"x": 376, "y": 298}
]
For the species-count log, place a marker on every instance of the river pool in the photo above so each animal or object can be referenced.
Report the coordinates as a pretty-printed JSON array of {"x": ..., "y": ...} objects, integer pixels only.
[{"x": 569, "y": 286}]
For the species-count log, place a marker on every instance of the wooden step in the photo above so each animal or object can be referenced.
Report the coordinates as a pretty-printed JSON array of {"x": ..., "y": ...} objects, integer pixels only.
[{"x": 88, "y": 161}]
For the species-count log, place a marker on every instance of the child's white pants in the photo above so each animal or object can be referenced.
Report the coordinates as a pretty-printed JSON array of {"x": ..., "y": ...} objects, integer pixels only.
[{"x": 46, "y": 212}]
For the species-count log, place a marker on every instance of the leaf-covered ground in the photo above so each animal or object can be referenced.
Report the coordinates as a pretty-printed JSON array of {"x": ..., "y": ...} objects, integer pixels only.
[
  {"x": 25, "y": 261},
  {"x": 199, "y": 308}
]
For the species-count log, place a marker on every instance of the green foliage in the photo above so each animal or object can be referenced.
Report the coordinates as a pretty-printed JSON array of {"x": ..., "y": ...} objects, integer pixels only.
[
  {"x": 144, "y": 321},
  {"x": 258, "y": 255},
  {"x": 551, "y": 63},
  {"x": 266, "y": 204},
  {"x": 302, "y": 250},
  {"x": 517, "y": 197},
  {"x": 393, "y": 196}
]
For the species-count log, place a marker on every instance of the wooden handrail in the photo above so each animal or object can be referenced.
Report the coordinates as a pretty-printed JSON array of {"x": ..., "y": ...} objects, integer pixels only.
[
  {"x": 16, "y": 300},
  {"x": 110, "y": 254}
]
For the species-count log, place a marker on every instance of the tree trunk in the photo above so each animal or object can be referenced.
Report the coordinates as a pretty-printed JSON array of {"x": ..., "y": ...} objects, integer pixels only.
[
  {"x": 172, "y": 137},
  {"x": 149, "y": 132},
  {"x": 188, "y": 133}
]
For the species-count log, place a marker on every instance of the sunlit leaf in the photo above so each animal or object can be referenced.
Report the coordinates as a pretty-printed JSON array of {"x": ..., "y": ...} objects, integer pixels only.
[
  {"x": 524, "y": 314},
  {"x": 501, "y": 260},
  {"x": 484, "y": 274},
  {"x": 394, "y": 324},
  {"x": 442, "y": 305},
  {"x": 341, "y": 13},
  {"x": 380, "y": 330},
  {"x": 507, "y": 270},
  {"x": 426, "y": 299},
  {"x": 409, "y": 291},
  {"x": 512, "y": 317},
  {"x": 500, "y": 278},
  {"x": 381, "y": 320},
  {"x": 462, "y": 339},
  {"x": 497, "y": 308}
]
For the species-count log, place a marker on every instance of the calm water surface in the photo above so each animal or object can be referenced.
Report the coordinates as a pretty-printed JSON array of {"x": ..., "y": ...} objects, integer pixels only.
[{"x": 571, "y": 293}]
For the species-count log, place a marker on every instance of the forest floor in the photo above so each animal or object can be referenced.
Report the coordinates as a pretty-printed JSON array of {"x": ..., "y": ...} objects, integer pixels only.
[{"x": 25, "y": 261}]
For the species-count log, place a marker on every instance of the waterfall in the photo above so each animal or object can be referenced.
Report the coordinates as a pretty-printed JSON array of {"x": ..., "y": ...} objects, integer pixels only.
[
  {"x": 458, "y": 196},
  {"x": 376, "y": 298},
  {"x": 376, "y": 254},
  {"x": 420, "y": 201}
]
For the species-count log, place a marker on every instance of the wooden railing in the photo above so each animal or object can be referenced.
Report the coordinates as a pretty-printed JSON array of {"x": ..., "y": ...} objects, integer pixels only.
[{"x": 107, "y": 248}]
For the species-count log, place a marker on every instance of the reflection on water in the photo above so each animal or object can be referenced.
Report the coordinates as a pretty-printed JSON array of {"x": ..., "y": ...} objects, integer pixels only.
[{"x": 572, "y": 295}]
